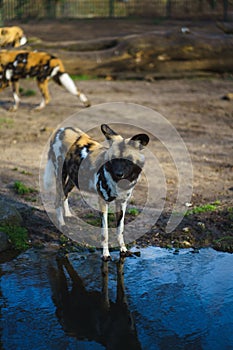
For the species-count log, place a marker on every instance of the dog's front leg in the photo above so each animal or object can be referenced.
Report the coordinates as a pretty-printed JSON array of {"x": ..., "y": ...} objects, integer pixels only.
[
  {"x": 120, "y": 217},
  {"x": 60, "y": 197},
  {"x": 15, "y": 89},
  {"x": 104, "y": 229}
]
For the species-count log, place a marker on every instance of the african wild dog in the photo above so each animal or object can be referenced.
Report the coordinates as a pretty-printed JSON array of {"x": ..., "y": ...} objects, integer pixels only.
[
  {"x": 110, "y": 172},
  {"x": 15, "y": 65},
  {"x": 12, "y": 37}
]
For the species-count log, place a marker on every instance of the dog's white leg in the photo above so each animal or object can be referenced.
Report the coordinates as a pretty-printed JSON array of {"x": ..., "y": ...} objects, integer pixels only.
[
  {"x": 41, "y": 105},
  {"x": 15, "y": 88},
  {"x": 60, "y": 218},
  {"x": 120, "y": 215},
  {"x": 67, "y": 208},
  {"x": 104, "y": 230}
]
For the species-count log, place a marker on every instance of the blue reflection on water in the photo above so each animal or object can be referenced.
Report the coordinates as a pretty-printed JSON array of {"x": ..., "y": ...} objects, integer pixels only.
[
  {"x": 185, "y": 299},
  {"x": 180, "y": 301}
]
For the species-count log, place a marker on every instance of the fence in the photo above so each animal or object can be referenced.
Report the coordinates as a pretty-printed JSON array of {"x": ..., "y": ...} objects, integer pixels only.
[{"x": 183, "y": 9}]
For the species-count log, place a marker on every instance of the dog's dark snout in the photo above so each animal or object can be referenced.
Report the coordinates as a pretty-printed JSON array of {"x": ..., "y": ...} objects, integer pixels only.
[{"x": 119, "y": 174}]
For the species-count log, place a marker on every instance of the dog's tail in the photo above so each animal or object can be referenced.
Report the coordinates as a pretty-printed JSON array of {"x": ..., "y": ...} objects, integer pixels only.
[
  {"x": 49, "y": 175},
  {"x": 23, "y": 40},
  {"x": 65, "y": 80}
]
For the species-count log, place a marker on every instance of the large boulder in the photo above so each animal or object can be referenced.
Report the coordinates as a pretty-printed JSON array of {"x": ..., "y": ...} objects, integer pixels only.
[
  {"x": 4, "y": 242},
  {"x": 9, "y": 215}
]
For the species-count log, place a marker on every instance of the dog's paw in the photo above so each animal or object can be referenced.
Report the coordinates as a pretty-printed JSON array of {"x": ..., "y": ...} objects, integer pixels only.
[
  {"x": 13, "y": 109},
  {"x": 126, "y": 254},
  {"x": 106, "y": 258}
]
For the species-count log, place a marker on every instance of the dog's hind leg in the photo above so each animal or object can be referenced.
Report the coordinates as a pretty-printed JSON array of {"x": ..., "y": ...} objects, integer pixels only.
[
  {"x": 60, "y": 198},
  {"x": 68, "y": 186},
  {"x": 65, "y": 80},
  {"x": 43, "y": 87}
]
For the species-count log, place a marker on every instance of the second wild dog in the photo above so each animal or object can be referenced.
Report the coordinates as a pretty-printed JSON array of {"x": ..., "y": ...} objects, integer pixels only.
[{"x": 16, "y": 65}]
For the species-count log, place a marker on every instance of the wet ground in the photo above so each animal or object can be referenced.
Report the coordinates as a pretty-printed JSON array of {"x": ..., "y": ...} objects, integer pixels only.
[
  {"x": 160, "y": 300},
  {"x": 194, "y": 107}
]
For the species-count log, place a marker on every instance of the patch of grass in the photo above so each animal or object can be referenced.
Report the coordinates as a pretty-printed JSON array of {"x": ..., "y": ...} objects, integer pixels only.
[
  {"x": 25, "y": 172},
  {"x": 82, "y": 77},
  {"x": 95, "y": 220},
  {"x": 30, "y": 199},
  {"x": 205, "y": 208},
  {"x": 22, "y": 189},
  {"x": 6, "y": 122},
  {"x": 63, "y": 239},
  {"x": 230, "y": 213},
  {"x": 133, "y": 211},
  {"x": 18, "y": 236},
  {"x": 27, "y": 93},
  {"x": 92, "y": 219}
]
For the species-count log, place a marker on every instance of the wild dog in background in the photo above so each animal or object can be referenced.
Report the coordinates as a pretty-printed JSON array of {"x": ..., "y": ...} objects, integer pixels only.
[
  {"x": 15, "y": 65},
  {"x": 12, "y": 37},
  {"x": 112, "y": 173}
]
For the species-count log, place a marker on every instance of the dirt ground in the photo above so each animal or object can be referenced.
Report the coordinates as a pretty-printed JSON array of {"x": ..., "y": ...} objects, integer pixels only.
[{"x": 194, "y": 107}]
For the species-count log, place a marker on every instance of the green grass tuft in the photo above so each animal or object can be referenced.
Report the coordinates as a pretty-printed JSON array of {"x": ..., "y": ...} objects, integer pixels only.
[
  {"x": 22, "y": 189},
  {"x": 6, "y": 122},
  {"x": 133, "y": 211},
  {"x": 18, "y": 236},
  {"x": 27, "y": 93},
  {"x": 82, "y": 77},
  {"x": 205, "y": 208}
]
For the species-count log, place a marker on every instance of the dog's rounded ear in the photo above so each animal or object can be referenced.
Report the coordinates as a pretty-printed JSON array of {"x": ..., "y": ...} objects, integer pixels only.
[
  {"x": 143, "y": 139},
  {"x": 108, "y": 132}
]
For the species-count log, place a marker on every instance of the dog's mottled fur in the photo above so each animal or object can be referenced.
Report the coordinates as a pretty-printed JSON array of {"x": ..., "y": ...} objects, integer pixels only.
[
  {"x": 15, "y": 65},
  {"x": 112, "y": 172},
  {"x": 12, "y": 37}
]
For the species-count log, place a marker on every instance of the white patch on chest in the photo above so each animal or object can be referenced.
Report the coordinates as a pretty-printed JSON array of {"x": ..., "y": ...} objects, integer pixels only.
[{"x": 84, "y": 153}]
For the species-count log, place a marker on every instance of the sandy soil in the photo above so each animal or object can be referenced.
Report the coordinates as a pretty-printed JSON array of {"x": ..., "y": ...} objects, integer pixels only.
[{"x": 194, "y": 107}]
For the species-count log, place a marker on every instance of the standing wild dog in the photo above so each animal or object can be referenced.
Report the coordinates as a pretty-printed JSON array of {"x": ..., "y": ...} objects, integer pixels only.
[
  {"x": 12, "y": 37},
  {"x": 15, "y": 65},
  {"x": 75, "y": 158}
]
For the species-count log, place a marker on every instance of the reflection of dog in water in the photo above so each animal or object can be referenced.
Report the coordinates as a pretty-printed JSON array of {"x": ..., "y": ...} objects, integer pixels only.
[{"x": 91, "y": 315}]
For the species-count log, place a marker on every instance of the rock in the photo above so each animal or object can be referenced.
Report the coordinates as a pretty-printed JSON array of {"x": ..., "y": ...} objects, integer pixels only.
[
  {"x": 4, "y": 243},
  {"x": 9, "y": 215}
]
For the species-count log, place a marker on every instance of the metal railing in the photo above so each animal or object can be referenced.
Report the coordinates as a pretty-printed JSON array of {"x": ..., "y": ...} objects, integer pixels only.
[{"x": 182, "y": 9}]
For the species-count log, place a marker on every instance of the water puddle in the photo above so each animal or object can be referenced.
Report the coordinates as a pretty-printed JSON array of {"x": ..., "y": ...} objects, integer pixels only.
[{"x": 156, "y": 301}]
